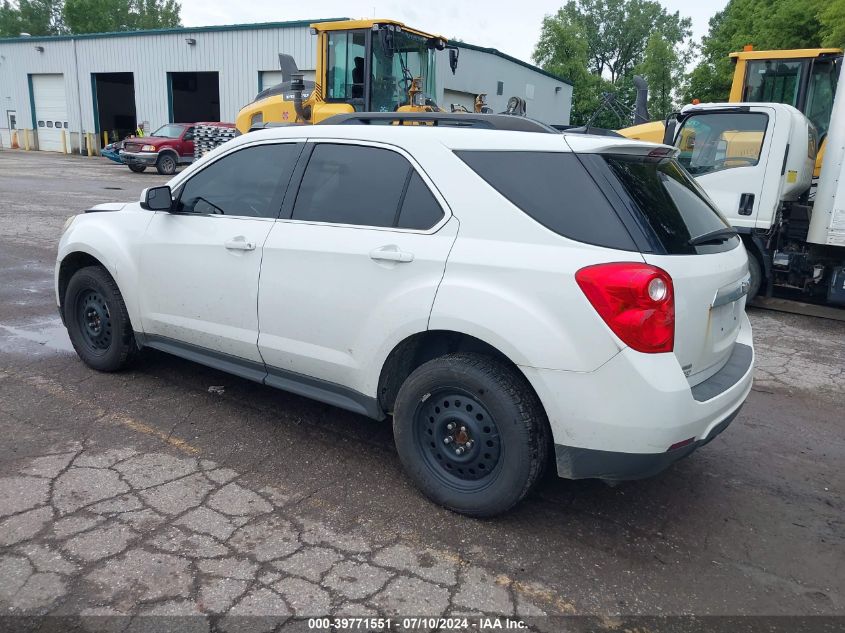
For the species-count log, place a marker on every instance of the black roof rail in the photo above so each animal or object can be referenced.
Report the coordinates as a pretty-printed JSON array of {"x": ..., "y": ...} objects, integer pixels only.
[{"x": 443, "y": 119}]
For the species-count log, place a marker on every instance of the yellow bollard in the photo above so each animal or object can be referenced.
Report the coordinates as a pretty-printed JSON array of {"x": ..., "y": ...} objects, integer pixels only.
[
  {"x": 89, "y": 143},
  {"x": 64, "y": 142},
  {"x": 105, "y": 138},
  {"x": 15, "y": 140},
  {"x": 26, "y": 139}
]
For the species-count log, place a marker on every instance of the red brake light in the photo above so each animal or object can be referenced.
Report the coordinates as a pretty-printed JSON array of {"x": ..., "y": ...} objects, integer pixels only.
[{"x": 637, "y": 301}]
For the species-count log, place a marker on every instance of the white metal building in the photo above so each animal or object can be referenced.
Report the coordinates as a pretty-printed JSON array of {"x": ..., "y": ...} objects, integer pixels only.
[{"x": 113, "y": 81}]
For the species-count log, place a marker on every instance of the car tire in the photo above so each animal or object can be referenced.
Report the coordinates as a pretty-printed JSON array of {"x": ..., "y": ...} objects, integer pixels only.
[
  {"x": 755, "y": 273},
  {"x": 97, "y": 320},
  {"x": 166, "y": 164},
  {"x": 495, "y": 417},
  {"x": 138, "y": 168}
]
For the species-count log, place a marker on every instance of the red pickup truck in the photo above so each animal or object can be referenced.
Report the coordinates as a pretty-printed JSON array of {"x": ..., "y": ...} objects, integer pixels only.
[{"x": 169, "y": 146}]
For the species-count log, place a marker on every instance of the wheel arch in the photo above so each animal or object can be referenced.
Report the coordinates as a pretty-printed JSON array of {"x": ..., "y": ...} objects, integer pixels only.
[
  {"x": 419, "y": 348},
  {"x": 69, "y": 265},
  {"x": 106, "y": 240},
  {"x": 169, "y": 150}
]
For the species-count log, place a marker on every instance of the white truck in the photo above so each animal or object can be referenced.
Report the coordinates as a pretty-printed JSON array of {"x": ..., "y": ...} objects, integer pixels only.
[{"x": 756, "y": 161}]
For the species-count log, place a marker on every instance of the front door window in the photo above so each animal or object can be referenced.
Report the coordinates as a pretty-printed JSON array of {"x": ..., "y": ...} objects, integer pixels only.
[{"x": 721, "y": 140}]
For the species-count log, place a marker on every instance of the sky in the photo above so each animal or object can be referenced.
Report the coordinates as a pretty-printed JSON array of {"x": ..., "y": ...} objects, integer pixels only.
[{"x": 510, "y": 26}]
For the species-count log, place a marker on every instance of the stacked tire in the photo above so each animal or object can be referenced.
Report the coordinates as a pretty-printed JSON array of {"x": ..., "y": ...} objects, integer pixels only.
[{"x": 209, "y": 137}]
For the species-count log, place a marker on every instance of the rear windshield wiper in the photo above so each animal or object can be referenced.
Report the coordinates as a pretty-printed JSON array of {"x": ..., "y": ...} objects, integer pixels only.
[{"x": 719, "y": 235}]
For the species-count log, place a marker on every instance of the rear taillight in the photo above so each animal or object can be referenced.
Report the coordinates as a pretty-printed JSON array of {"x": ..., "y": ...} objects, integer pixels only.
[{"x": 637, "y": 301}]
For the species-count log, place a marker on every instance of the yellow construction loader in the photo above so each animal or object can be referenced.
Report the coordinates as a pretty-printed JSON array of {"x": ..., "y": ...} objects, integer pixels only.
[
  {"x": 803, "y": 78},
  {"x": 362, "y": 66}
]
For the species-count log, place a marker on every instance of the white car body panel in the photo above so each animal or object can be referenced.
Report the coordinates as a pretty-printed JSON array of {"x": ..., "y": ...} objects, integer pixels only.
[
  {"x": 329, "y": 311},
  {"x": 705, "y": 334},
  {"x": 205, "y": 294}
]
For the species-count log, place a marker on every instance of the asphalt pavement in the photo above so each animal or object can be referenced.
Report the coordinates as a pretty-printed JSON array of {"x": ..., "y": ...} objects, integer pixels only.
[{"x": 171, "y": 489}]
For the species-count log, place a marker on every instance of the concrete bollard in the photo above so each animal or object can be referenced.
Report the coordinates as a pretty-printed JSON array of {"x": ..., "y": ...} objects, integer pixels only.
[
  {"x": 26, "y": 139},
  {"x": 14, "y": 141},
  {"x": 89, "y": 143},
  {"x": 64, "y": 142}
]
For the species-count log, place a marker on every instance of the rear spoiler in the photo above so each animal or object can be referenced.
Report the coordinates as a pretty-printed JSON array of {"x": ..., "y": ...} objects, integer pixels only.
[{"x": 611, "y": 145}]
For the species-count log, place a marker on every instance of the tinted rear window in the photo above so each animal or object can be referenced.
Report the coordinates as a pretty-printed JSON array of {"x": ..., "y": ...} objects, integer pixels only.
[
  {"x": 671, "y": 203},
  {"x": 555, "y": 190}
]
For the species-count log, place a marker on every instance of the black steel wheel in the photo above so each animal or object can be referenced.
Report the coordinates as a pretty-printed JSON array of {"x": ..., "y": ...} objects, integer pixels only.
[
  {"x": 471, "y": 433},
  {"x": 94, "y": 321},
  {"x": 97, "y": 321},
  {"x": 137, "y": 168},
  {"x": 459, "y": 438},
  {"x": 166, "y": 164}
]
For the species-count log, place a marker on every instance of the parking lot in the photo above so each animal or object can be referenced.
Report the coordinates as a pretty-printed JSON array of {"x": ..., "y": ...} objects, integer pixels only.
[{"x": 173, "y": 489}]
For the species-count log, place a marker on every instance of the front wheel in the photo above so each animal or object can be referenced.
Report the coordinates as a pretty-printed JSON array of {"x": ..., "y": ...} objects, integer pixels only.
[
  {"x": 137, "y": 168},
  {"x": 97, "y": 321},
  {"x": 755, "y": 273},
  {"x": 166, "y": 164},
  {"x": 471, "y": 433}
]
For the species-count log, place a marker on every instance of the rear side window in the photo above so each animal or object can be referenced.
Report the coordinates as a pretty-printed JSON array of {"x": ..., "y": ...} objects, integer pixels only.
[
  {"x": 555, "y": 190},
  {"x": 364, "y": 186},
  {"x": 670, "y": 202},
  {"x": 420, "y": 210}
]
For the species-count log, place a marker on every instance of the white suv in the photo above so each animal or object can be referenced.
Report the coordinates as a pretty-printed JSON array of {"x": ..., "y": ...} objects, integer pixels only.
[{"x": 509, "y": 297}]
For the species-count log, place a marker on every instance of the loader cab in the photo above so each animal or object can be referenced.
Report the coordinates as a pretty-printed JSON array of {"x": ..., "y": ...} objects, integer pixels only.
[{"x": 371, "y": 65}]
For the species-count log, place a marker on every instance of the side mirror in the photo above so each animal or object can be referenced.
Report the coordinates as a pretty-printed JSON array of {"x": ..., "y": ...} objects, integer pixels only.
[
  {"x": 157, "y": 199},
  {"x": 453, "y": 59}
]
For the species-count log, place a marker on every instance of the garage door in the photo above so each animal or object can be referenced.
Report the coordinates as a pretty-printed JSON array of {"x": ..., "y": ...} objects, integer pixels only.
[
  {"x": 270, "y": 78},
  {"x": 48, "y": 94},
  {"x": 458, "y": 98}
]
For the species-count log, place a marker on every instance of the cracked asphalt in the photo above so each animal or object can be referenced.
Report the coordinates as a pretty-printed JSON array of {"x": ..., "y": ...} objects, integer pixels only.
[{"x": 146, "y": 493}]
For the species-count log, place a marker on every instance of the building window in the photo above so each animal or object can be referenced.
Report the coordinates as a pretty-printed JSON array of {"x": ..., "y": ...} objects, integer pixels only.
[{"x": 500, "y": 88}]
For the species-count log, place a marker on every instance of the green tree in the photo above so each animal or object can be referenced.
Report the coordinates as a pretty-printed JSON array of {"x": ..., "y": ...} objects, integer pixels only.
[
  {"x": 36, "y": 17},
  {"x": 765, "y": 24},
  {"x": 562, "y": 50},
  {"x": 617, "y": 31},
  {"x": 99, "y": 16},
  {"x": 832, "y": 19},
  {"x": 662, "y": 69},
  {"x": 52, "y": 17},
  {"x": 598, "y": 44}
]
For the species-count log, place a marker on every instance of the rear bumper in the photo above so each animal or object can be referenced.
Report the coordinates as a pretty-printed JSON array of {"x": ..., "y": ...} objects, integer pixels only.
[
  {"x": 586, "y": 463},
  {"x": 621, "y": 420}
]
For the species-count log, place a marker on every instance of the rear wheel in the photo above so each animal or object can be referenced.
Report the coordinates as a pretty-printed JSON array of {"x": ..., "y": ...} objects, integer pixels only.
[
  {"x": 97, "y": 321},
  {"x": 137, "y": 168},
  {"x": 166, "y": 164},
  {"x": 471, "y": 433}
]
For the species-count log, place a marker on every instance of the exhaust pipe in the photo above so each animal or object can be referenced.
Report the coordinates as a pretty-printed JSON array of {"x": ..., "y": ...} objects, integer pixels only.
[
  {"x": 641, "y": 114},
  {"x": 297, "y": 85}
]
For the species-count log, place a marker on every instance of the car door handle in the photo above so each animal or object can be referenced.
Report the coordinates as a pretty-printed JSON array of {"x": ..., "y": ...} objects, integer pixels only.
[
  {"x": 391, "y": 254},
  {"x": 746, "y": 204},
  {"x": 239, "y": 244}
]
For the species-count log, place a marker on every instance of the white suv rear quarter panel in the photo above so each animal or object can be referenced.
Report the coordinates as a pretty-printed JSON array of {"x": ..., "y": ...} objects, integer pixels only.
[{"x": 511, "y": 282}]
